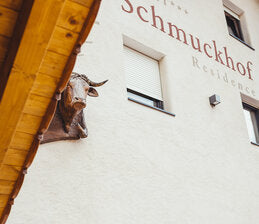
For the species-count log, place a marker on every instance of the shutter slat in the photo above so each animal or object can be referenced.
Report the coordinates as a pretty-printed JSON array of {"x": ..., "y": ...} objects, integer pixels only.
[{"x": 142, "y": 73}]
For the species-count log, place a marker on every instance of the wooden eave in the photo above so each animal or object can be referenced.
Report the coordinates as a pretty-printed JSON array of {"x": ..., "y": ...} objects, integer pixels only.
[{"x": 39, "y": 42}]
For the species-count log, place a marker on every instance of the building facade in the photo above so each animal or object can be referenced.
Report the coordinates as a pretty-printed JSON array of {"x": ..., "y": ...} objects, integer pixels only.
[{"x": 157, "y": 150}]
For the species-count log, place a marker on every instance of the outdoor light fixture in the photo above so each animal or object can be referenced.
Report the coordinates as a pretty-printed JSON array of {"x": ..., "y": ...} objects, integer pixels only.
[{"x": 214, "y": 100}]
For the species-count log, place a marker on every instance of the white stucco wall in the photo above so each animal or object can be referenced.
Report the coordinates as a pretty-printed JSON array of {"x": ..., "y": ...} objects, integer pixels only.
[{"x": 141, "y": 166}]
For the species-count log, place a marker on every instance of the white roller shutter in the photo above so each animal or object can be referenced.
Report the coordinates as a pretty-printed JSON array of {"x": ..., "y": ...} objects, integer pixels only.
[
  {"x": 229, "y": 11},
  {"x": 142, "y": 73}
]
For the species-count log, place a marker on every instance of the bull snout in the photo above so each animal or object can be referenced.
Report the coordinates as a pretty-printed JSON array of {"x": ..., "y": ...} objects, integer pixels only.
[
  {"x": 79, "y": 103},
  {"x": 78, "y": 99}
]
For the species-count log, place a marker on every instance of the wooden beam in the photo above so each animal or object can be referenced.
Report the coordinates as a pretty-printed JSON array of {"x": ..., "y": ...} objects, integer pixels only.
[
  {"x": 29, "y": 124},
  {"x": 4, "y": 42},
  {"x": 8, "y": 18},
  {"x": 3, "y": 198},
  {"x": 11, "y": 106},
  {"x": 6, "y": 187},
  {"x": 26, "y": 65},
  {"x": 30, "y": 121},
  {"x": 12, "y": 4},
  {"x": 86, "y": 3},
  {"x": 36, "y": 105},
  {"x": 45, "y": 85},
  {"x": 15, "y": 157},
  {"x": 73, "y": 16},
  {"x": 9, "y": 173},
  {"x": 53, "y": 64},
  {"x": 17, "y": 24},
  {"x": 58, "y": 46},
  {"x": 21, "y": 141}
]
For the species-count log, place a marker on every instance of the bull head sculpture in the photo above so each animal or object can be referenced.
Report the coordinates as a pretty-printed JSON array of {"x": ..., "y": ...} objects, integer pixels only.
[
  {"x": 73, "y": 101},
  {"x": 69, "y": 121}
]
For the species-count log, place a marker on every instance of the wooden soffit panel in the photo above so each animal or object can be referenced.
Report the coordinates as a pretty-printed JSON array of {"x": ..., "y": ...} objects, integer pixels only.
[{"x": 41, "y": 67}]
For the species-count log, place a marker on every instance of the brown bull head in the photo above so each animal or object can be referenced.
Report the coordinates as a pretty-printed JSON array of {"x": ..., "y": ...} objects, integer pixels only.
[{"x": 73, "y": 100}]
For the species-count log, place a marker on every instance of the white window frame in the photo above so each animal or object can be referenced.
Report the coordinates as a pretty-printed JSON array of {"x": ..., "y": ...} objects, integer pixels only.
[
  {"x": 143, "y": 78},
  {"x": 232, "y": 16},
  {"x": 239, "y": 14},
  {"x": 252, "y": 122}
]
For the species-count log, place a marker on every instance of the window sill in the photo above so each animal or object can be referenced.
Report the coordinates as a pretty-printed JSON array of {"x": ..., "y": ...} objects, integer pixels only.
[
  {"x": 253, "y": 143},
  {"x": 243, "y": 42},
  {"x": 155, "y": 108}
]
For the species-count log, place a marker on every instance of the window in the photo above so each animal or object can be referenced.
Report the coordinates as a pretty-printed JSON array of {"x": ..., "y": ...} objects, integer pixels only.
[
  {"x": 143, "y": 78},
  {"x": 233, "y": 23},
  {"x": 236, "y": 23},
  {"x": 252, "y": 122}
]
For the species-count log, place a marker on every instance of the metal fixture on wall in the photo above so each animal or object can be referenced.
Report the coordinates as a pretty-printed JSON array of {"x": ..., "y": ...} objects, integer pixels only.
[{"x": 214, "y": 100}]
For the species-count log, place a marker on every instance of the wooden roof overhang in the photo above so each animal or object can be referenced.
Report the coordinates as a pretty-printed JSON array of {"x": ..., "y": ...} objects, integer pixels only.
[{"x": 39, "y": 42}]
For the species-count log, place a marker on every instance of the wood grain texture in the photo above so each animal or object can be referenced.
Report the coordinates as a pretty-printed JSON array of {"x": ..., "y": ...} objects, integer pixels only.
[
  {"x": 15, "y": 157},
  {"x": 73, "y": 16},
  {"x": 49, "y": 116},
  {"x": 4, "y": 198},
  {"x": 33, "y": 150},
  {"x": 29, "y": 124},
  {"x": 26, "y": 122},
  {"x": 19, "y": 27},
  {"x": 9, "y": 173},
  {"x": 12, "y": 4},
  {"x": 58, "y": 46},
  {"x": 86, "y": 3},
  {"x": 21, "y": 141},
  {"x": 4, "y": 43},
  {"x": 53, "y": 64},
  {"x": 27, "y": 62},
  {"x": 36, "y": 105},
  {"x": 37, "y": 35},
  {"x": 6, "y": 187},
  {"x": 5, "y": 213},
  {"x": 7, "y": 21},
  {"x": 45, "y": 85},
  {"x": 11, "y": 106}
]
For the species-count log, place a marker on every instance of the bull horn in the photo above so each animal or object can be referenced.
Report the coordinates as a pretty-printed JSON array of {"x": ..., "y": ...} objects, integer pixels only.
[{"x": 94, "y": 84}]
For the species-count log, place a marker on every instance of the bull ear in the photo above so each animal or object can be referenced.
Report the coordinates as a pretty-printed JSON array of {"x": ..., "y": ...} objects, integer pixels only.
[{"x": 92, "y": 92}]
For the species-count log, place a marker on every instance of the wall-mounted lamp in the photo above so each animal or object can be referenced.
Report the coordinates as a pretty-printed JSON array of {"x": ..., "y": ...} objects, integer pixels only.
[{"x": 214, "y": 100}]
